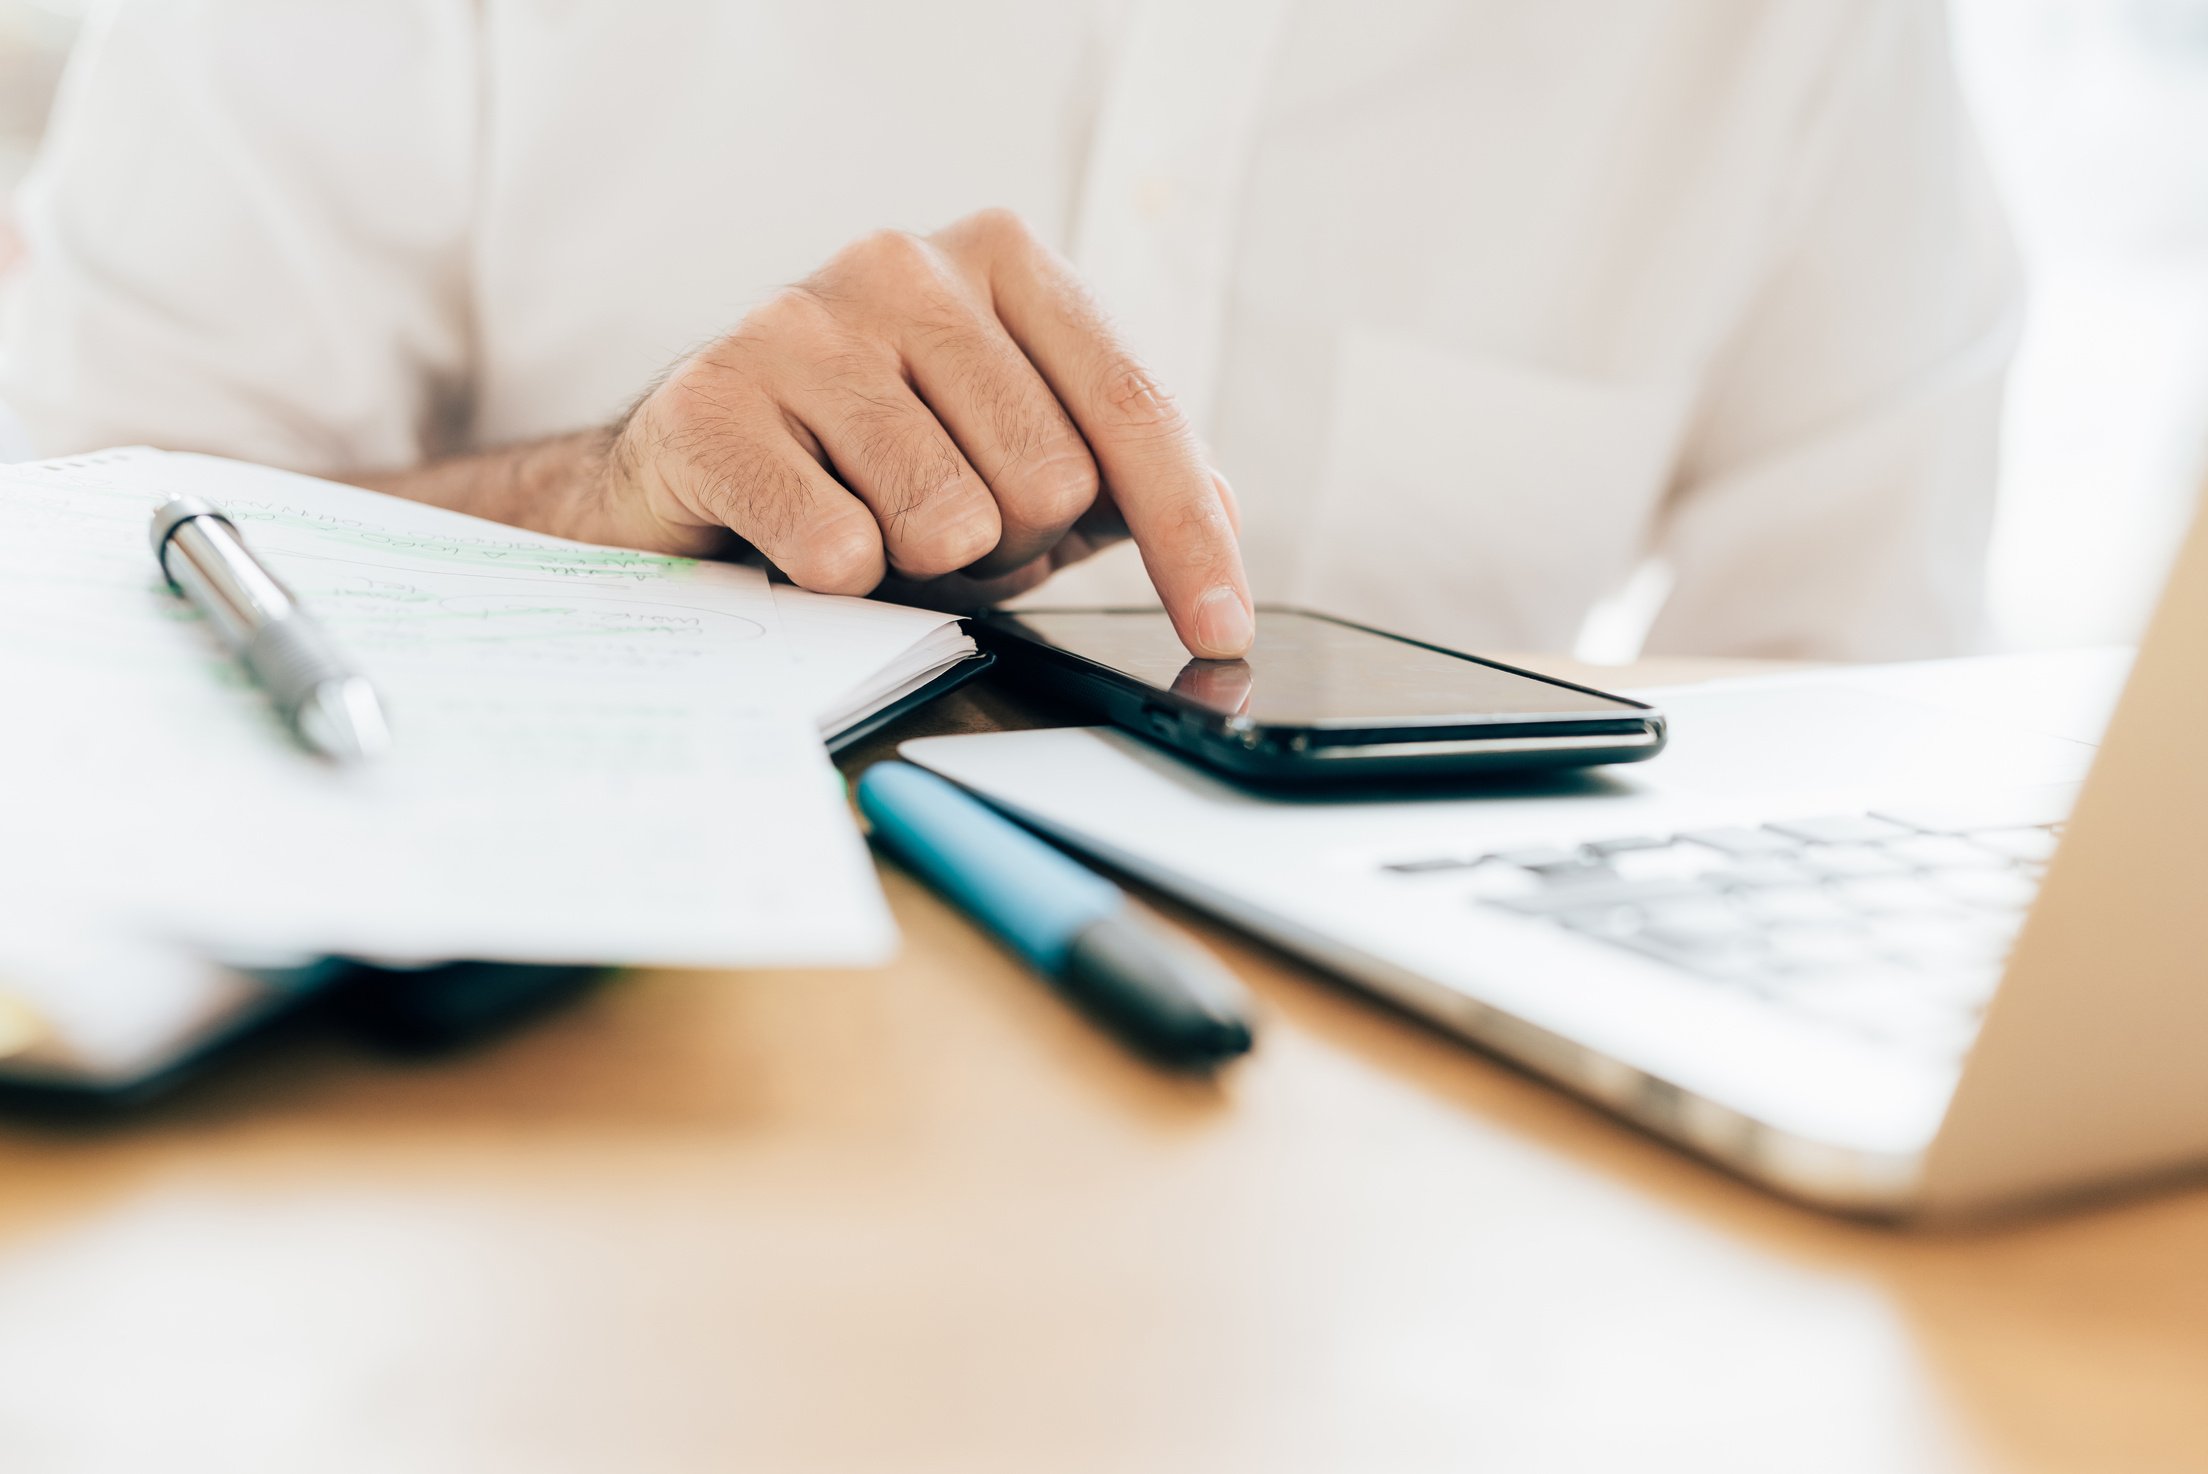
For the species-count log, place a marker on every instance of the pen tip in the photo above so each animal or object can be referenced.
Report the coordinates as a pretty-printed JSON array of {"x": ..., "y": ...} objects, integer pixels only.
[
  {"x": 1227, "y": 1038},
  {"x": 344, "y": 720}
]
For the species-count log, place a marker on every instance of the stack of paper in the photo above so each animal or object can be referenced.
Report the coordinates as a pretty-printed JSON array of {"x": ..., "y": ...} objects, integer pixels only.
[
  {"x": 600, "y": 755},
  {"x": 852, "y": 658}
]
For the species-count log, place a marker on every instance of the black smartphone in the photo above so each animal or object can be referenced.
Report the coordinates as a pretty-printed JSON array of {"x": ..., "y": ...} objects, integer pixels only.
[{"x": 1317, "y": 699}]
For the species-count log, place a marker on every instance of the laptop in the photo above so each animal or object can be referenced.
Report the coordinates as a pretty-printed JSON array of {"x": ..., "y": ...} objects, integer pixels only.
[{"x": 1921, "y": 941}]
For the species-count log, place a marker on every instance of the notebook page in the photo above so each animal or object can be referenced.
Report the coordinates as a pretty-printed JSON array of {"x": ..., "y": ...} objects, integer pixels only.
[
  {"x": 600, "y": 755},
  {"x": 855, "y": 656}
]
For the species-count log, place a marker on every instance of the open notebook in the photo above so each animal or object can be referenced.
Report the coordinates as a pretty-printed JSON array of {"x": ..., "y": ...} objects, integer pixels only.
[
  {"x": 858, "y": 660},
  {"x": 601, "y": 757}
]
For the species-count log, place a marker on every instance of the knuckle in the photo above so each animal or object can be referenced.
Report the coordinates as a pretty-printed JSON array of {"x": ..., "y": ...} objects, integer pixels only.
[
  {"x": 945, "y": 327},
  {"x": 889, "y": 255},
  {"x": 1188, "y": 533},
  {"x": 1051, "y": 486},
  {"x": 934, "y": 515},
  {"x": 739, "y": 488},
  {"x": 796, "y": 314},
  {"x": 697, "y": 401},
  {"x": 1135, "y": 403},
  {"x": 883, "y": 442},
  {"x": 998, "y": 226},
  {"x": 682, "y": 412},
  {"x": 944, "y": 530}
]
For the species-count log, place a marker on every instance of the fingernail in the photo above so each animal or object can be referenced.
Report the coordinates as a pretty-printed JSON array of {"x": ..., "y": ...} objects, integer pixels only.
[{"x": 1223, "y": 623}]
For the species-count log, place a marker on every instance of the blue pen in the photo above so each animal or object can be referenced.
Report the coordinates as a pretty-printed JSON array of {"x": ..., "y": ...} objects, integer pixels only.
[{"x": 1067, "y": 922}]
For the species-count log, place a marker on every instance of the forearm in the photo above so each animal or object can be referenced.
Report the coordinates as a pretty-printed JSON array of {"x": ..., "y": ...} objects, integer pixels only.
[{"x": 557, "y": 485}]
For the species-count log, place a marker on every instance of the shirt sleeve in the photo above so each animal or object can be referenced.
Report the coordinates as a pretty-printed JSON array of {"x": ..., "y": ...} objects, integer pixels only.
[
  {"x": 1835, "y": 496},
  {"x": 247, "y": 234}
]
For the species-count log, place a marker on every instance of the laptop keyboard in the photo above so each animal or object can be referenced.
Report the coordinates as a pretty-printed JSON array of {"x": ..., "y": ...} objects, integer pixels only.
[{"x": 1894, "y": 924}]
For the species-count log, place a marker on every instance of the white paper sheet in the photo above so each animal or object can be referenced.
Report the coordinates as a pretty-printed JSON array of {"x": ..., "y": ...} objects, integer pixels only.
[
  {"x": 855, "y": 656},
  {"x": 601, "y": 755}
]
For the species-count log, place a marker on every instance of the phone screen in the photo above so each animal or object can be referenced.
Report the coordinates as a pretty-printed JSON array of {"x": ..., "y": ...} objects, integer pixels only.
[{"x": 1305, "y": 671}]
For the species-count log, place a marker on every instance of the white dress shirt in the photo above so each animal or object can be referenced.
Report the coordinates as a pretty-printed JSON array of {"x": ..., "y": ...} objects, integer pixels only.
[{"x": 1483, "y": 306}]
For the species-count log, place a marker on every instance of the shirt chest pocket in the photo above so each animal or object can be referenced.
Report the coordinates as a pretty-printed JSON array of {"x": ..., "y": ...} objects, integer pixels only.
[{"x": 1479, "y": 502}]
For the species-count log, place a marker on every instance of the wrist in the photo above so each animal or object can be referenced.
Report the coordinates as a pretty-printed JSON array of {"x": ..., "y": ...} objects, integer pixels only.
[{"x": 574, "y": 482}]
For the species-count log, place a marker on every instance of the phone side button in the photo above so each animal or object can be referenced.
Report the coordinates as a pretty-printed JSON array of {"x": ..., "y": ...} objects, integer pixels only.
[{"x": 1161, "y": 719}]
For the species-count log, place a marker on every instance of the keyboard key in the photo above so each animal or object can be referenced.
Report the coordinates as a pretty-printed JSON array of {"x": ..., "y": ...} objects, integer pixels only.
[
  {"x": 1434, "y": 865},
  {"x": 1998, "y": 890},
  {"x": 1627, "y": 843},
  {"x": 1895, "y": 895},
  {"x": 1739, "y": 961},
  {"x": 1943, "y": 852},
  {"x": 1957, "y": 939},
  {"x": 1579, "y": 870},
  {"x": 1610, "y": 923},
  {"x": 2034, "y": 845},
  {"x": 1536, "y": 857},
  {"x": 1697, "y": 923},
  {"x": 2023, "y": 808},
  {"x": 1672, "y": 862},
  {"x": 1839, "y": 829},
  {"x": 1820, "y": 948},
  {"x": 1851, "y": 860},
  {"x": 1795, "y": 905},
  {"x": 1762, "y": 870},
  {"x": 1500, "y": 883},
  {"x": 1743, "y": 841},
  {"x": 1557, "y": 900}
]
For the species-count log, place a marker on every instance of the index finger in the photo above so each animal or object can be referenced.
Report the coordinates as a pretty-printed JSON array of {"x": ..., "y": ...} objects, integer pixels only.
[{"x": 1142, "y": 441}]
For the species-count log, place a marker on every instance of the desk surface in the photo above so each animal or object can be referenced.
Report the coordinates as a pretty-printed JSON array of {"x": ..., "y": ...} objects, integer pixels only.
[{"x": 923, "y": 1218}]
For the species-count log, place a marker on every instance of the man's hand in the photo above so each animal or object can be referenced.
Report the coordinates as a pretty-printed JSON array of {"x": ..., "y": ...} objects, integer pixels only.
[{"x": 951, "y": 414}]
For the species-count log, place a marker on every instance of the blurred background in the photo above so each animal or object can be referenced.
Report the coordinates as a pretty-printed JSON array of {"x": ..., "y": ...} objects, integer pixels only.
[{"x": 2095, "y": 113}]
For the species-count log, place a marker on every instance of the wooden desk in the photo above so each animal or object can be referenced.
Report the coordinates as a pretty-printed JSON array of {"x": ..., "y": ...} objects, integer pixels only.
[{"x": 925, "y": 1219}]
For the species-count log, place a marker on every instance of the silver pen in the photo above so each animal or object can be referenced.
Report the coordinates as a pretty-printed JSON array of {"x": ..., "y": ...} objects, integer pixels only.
[{"x": 329, "y": 707}]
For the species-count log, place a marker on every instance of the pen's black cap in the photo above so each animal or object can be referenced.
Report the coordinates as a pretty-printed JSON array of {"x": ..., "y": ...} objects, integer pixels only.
[{"x": 1161, "y": 993}]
